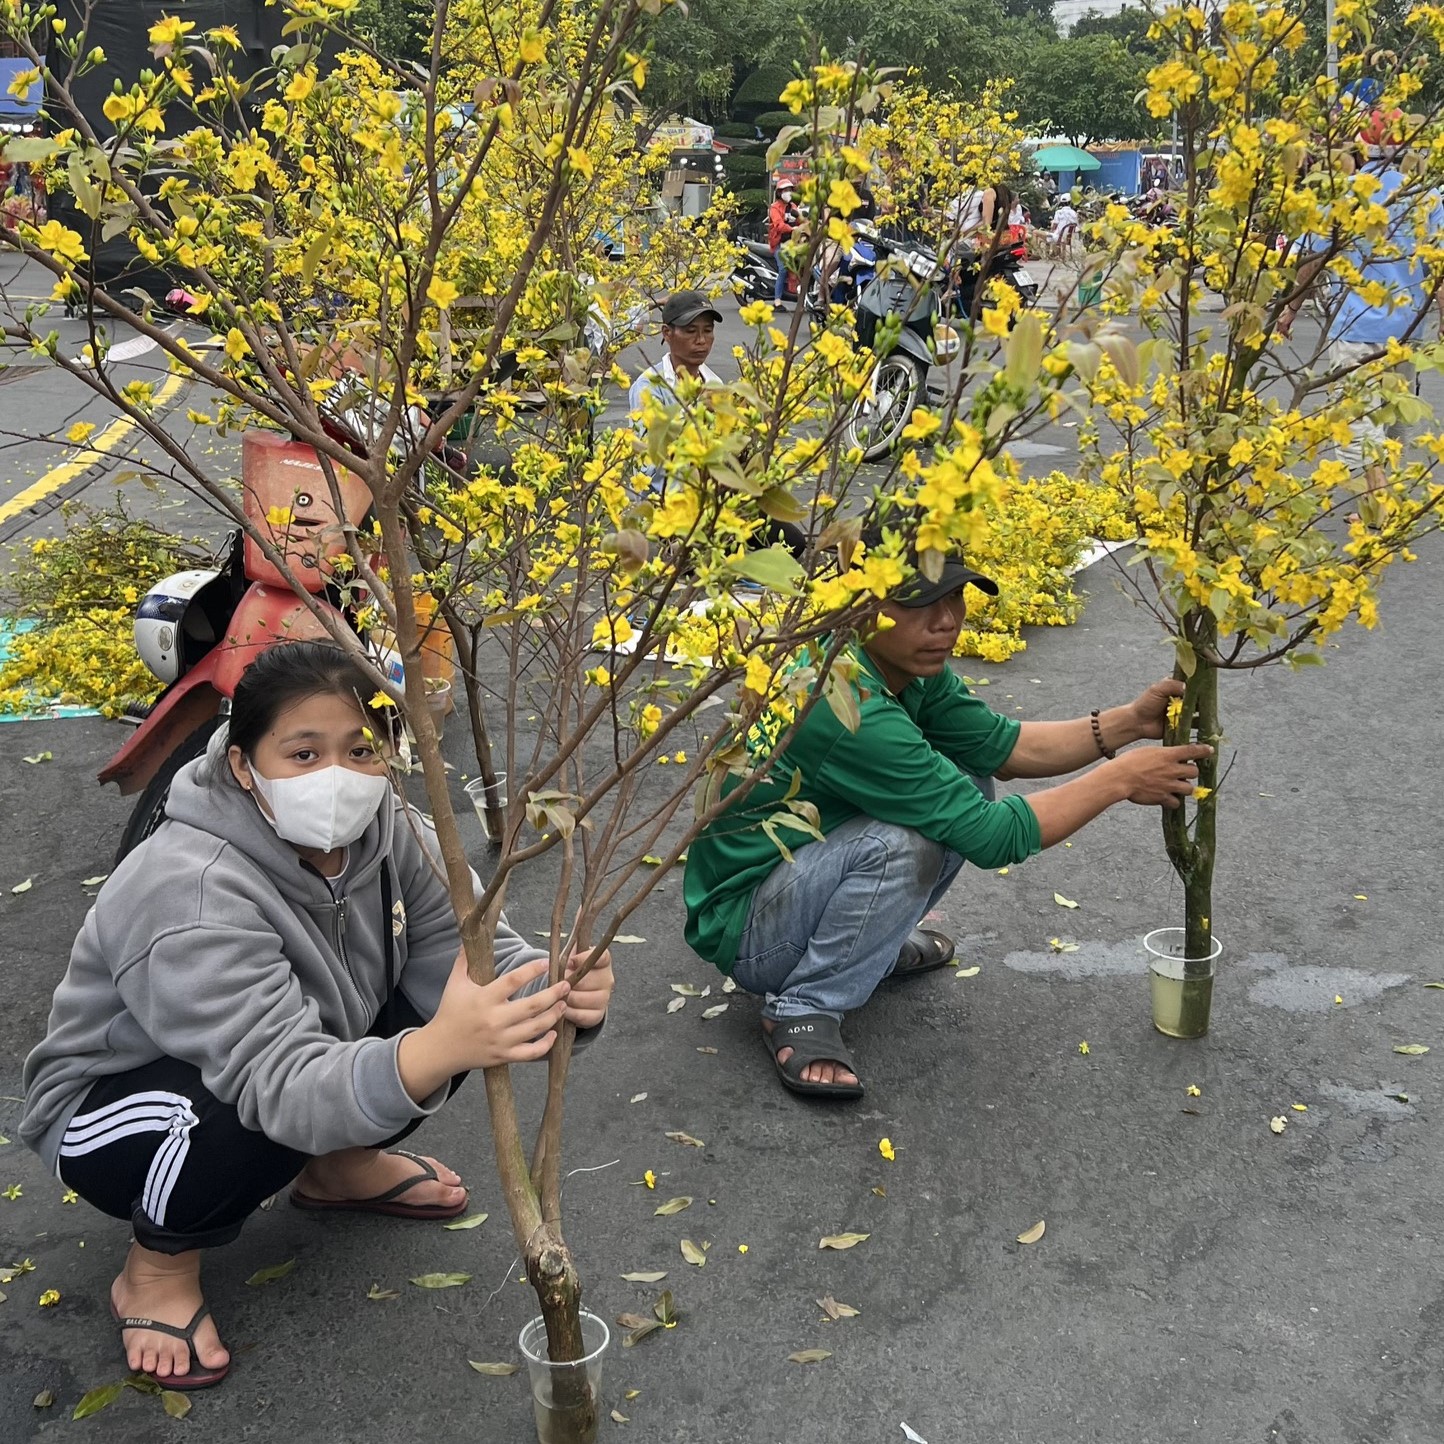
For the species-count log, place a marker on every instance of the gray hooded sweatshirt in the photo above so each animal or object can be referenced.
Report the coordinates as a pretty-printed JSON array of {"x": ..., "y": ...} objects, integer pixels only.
[{"x": 213, "y": 943}]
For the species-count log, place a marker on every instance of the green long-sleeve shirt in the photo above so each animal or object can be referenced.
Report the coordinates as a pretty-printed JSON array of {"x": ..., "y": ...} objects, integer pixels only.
[{"x": 902, "y": 766}]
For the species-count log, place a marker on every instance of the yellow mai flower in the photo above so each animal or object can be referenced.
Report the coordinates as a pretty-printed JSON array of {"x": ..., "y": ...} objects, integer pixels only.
[
  {"x": 650, "y": 720},
  {"x": 61, "y": 242},
  {"x": 1199, "y": 793},
  {"x": 843, "y": 197},
  {"x": 235, "y": 344},
  {"x": 533, "y": 48},
  {"x": 758, "y": 677},
  {"x": 1175, "y": 711},
  {"x": 24, "y": 79},
  {"x": 169, "y": 30},
  {"x": 80, "y": 432},
  {"x": 756, "y": 313},
  {"x": 581, "y": 162},
  {"x": 280, "y": 516},
  {"x": 303, "y": 82},
  {"x": 885, "y": 1148},
  {"x": 381, "y": 699},
  {"x": 441, "y": 293}
]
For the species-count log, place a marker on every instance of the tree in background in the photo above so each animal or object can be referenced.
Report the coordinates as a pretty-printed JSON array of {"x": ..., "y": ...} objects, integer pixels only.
[{"x": 1086, "y": 88}]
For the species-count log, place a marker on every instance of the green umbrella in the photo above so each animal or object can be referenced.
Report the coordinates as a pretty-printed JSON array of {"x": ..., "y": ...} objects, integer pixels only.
[{"x": 1065, "y": 157}]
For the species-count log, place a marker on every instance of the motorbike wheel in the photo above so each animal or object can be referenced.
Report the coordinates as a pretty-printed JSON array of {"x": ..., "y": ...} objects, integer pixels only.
[
  {"x": 149, "y": 812},
  {"x": 876, "y": 422}
]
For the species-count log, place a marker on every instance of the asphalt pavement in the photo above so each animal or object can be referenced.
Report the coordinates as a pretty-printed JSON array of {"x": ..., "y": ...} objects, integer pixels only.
[{"x": 1201, "y": 1277}]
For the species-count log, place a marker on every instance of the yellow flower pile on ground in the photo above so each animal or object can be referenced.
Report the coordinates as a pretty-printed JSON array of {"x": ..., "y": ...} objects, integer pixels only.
[
  {"x": 1036, "y": 533},
  {"x": 80, "y": 590}
]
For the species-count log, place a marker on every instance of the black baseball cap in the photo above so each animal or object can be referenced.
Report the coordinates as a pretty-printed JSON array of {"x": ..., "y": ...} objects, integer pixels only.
[
  {"x": 919, "y": 591},
  {"x": 681, "y": 308}
]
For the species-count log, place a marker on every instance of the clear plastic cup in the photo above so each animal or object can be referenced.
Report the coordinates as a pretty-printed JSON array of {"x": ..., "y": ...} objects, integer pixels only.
[
  {"x": 566, "y": 1398},
  {"x": 476, "y": 791},
  {"x": 1181, "y": 988}
]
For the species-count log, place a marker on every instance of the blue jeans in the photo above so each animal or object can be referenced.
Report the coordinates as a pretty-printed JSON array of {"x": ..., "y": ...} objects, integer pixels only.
[
  {"x": 779, "y": 291},
  {"x": 827, "y": 928}
]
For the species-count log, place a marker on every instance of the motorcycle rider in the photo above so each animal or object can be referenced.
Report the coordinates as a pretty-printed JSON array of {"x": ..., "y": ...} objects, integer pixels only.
[{"x": 270, "y": 989}]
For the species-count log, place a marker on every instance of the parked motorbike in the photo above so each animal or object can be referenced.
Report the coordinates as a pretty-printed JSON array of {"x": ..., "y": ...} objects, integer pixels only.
[
  {"x": 755, "y": 275},
  {"x": 906, "y": 285},
  {"x": 198, "y": 630},
  {"x": 972, "y": 267}
]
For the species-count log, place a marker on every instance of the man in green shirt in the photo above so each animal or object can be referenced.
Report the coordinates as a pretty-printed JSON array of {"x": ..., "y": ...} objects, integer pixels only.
[{"x": 900, "y": 814}]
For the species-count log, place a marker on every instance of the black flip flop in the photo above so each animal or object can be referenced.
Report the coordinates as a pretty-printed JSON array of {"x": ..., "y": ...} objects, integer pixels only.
[
  {"x": 925, "y": 951},
  {"x": 813, "y": 1038},
  {"x": 199, "y": 1376},
  {"x": 388, "y": 1204}
]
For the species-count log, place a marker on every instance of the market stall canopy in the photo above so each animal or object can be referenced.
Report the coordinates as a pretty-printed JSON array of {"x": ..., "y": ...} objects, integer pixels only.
[{"x": 1065, "y": 157}]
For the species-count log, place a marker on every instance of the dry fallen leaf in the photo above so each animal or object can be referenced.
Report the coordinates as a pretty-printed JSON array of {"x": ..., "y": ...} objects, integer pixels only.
[
  {"x": 1299, "y": 1107},
  {"x": 377, "y": 1292},
  {"x": 1032, "y": 1235},
  {"x": 1411, "y": 1050},
  {"x": 687, "y": 990},
  {"x": 676, "y": 1004},
  {"x": 729, "y": 985},
  {"x": 23, "y": 886},
  {"x": 618, "y": 1417},
  {"x": 810, "y": 1356},
  {"x": 844, "y": 1240},
  {"x": 1064, "y": 902},
  {"x": 692, "y": 1253},
  {"x": 1059, "y": 946},
  {"x": 474, "y": 1220},
  {"x": 968, "y": 972},
  {"x": 441, "y": 1281},
  {"x": 495, "y": 1371},
  {"x": 175, "y": 1404},
  {"x": 95, "y": 881},
  {"x": 39, "y": 757},
  {"x": 1434, "y": 985},
  {"x": 638, "y": 1098},
  {"x": 43, "y": 1400},
  {"x": 716, "y": 1010},
  {"x": 628, "y": 938},
  {"x": 835, "y": 1310},
  {"x": 632, "y": 1321},
  {"x": 647, "y": 1326},
  {"x": 632, "y": 1394},
  {"x": 270, "y": 1275},
  {"x": 686, "y": 1139},
  {"x": 1278, "y": 1124},
  {"x": 650, "y": 1276},
  {"x": 711, "y": 1051},
  {"x": 672, "y": 1205},
  {"x": 881, "y": 1192}
]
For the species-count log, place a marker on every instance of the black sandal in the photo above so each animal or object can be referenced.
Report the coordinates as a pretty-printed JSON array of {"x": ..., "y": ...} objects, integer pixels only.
[
  {"x": 198, "y": 1377},
  {"x": 813, "y": 1038},
  {"x": 925, "y": 951}
]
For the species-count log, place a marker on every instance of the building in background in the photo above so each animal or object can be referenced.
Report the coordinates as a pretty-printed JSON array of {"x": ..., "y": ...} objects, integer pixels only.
[{"x": 1067, "y": 13}]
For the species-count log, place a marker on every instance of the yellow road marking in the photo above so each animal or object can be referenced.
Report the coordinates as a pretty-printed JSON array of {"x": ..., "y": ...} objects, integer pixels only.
[{"x": 82, "y": 461}]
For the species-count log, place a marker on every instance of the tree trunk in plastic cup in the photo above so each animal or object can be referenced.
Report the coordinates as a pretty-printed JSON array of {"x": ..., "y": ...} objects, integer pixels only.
[
  {"x": 566, "y": 1398},
  {"x": 1181, "y": 988}
]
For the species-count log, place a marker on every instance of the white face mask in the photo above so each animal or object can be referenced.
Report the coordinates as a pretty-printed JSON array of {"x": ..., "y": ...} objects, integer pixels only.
[{"x": 328, "y": 808}]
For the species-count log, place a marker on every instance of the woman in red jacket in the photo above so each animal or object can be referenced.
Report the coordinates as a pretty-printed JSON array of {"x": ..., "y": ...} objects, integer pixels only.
[{"x": 782, "y": 220}]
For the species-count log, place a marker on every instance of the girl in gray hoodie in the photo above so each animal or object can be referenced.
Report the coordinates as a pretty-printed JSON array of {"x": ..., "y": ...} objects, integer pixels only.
[{"x": 270, "y": 989}]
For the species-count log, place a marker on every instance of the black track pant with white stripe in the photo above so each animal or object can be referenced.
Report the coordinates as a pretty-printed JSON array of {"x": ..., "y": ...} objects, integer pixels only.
[{"x": 155, "y": 1147}]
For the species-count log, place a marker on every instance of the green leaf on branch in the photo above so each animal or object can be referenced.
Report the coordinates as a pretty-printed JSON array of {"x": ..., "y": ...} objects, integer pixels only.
[
  {"x": 1187, "y": 658},
  {"x": 773, "y": 567}
]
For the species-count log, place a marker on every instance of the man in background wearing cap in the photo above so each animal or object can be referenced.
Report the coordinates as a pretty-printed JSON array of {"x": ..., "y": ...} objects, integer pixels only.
[
  {"x": 899, "y": 815},
  {"x": 689, "y": 321}
]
